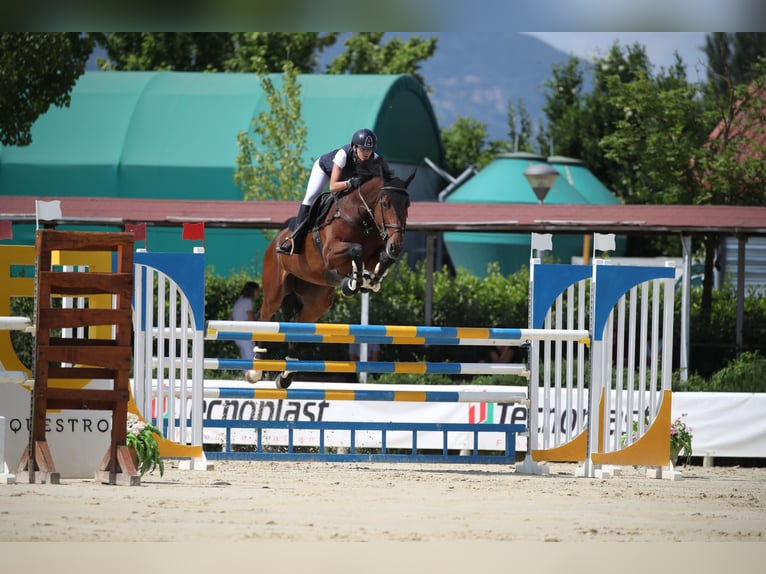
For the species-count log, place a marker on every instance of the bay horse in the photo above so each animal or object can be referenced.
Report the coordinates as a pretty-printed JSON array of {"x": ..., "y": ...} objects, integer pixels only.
[{"x": 355, "y": 236}]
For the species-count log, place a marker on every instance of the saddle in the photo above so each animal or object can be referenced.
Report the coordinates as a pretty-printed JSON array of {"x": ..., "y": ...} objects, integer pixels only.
[{"x": 318, "y": 210}]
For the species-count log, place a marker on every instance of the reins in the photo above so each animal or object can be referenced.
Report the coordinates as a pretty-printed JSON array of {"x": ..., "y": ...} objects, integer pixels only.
[{"x": 382, "y": 227}]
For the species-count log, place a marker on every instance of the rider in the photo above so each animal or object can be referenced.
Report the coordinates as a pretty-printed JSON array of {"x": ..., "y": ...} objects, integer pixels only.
[{"x": 339, "y": 168}]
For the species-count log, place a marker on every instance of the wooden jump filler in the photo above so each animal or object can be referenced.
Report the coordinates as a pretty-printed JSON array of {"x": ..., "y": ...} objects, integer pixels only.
[{"x": 62, "y": 359}]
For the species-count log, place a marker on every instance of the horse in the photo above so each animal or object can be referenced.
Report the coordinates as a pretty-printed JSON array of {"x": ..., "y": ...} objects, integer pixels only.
[{"x": 355, "y": 236}]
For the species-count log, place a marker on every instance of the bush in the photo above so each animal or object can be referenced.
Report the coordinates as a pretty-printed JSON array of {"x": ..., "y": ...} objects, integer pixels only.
[
  {"x": 746, "y": 374},
  {"x": 713, "y": 342}
]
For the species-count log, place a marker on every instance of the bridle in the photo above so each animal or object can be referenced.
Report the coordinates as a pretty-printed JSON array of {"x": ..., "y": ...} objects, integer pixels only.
[{"x": 383, "y": 227}]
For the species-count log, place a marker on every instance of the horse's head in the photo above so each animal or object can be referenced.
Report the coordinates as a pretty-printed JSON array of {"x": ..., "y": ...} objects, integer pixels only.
[
  {"x": 394, "y": 206},
  {"x": 388, "y": 202}
]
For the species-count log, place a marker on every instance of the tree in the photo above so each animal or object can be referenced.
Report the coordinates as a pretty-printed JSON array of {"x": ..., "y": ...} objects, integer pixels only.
[
  {"x": 733, "y": 56},
  {"x": 212, "y": 51},
  {"x": 520, "y": 130},
  {"x": 678, "y": 142},
  {"x": 271, "y": 167},
  {"x": 36, "y": 71},
  {"x": 465, "y": 143},
  {"x": 180, "y": 51},
  {"x": 577, "y": 121},
  {"x": 366, "y": 55},
  {"x": 274, "y": 48},
  {"x": 563, "y": 109}
]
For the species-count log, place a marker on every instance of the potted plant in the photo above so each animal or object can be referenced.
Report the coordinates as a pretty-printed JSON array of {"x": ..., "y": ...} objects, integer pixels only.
[
  {"x": 680, "y": 440},
  {"x": 140, "y": 438}
]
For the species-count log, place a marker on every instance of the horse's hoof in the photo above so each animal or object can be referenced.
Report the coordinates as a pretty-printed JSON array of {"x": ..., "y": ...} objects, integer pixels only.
[
  {"x": 284, "y": 380},
  {"x": 253, "y": 376},
  {"x": 346, "y": 289}
]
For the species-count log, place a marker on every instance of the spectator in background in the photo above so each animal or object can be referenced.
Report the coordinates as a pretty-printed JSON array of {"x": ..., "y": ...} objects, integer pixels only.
[{"x": 243, "y": 311}]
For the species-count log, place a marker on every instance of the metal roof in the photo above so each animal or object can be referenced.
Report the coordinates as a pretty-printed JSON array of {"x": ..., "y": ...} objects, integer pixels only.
[
  {"x": 423, "y": 215},
  {"x": 174, "y": 134}
]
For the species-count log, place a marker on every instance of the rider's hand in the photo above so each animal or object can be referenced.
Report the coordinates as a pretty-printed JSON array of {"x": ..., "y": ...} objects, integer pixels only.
[{"x": 354, "y": 182}]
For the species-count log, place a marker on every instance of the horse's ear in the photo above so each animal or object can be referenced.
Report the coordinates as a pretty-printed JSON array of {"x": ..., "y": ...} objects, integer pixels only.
[{"x": 410, "y": 178}]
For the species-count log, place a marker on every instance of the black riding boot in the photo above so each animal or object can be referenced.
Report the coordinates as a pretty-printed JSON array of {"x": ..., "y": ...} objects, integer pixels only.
[{"x": 294, "y": 243}]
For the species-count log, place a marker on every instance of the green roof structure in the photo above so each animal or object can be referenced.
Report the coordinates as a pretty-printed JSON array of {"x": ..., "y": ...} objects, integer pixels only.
[
  {"x": 503, "y": 181},
  {"x": 582, "y": 179}
]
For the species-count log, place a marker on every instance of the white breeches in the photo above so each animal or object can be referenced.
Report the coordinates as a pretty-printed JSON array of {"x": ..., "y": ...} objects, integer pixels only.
[{"x": 317, "y": 182}]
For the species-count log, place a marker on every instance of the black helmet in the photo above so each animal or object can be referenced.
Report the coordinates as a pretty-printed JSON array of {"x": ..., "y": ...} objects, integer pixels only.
[{"x": 365, "y": 139}]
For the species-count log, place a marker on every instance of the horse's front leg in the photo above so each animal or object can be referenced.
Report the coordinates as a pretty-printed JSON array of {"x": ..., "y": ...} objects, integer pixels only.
[{"x": 351, "y": 283}]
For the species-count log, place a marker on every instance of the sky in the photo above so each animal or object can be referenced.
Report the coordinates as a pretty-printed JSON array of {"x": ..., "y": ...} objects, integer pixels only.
[{"x": 659, "y": 46}]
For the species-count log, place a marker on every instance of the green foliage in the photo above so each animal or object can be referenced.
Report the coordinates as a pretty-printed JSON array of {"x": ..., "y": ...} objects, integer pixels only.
[
  {"x": 23, "y": 343},
  {"x": 366, "y": 55},
  {"x": 36, "y": 71},
  {"x": 713, "y": 340},
  {"x": 140, "y": 437},
  {"x": 212, "y": 51},
  {"x": 409, "y": 379},
  {"x": 744, "y": 374},
  {"x": 520, "y": 128},
  {"x": 270, "y": 167},
  {"x": 179, "y": 51},
  {"x": 461, "y": 300},
  {"x": 465, "y": 143},
  {"x": 681, "y": 438},
  {"x": 220, "y": 295},
  {"x": 267, "y": 51},
  {"x": 733, "y": 55}
]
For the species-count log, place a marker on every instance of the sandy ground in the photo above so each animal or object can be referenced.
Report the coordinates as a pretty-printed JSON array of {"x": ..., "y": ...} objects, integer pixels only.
[{"x": 434, "y": 506}]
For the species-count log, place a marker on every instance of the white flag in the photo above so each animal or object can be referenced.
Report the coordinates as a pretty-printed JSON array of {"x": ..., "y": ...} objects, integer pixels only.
[
  {"x": 603, "y": 241},
  {"x": 542, "y": 241},
  {"x": 48, "y": 210}
]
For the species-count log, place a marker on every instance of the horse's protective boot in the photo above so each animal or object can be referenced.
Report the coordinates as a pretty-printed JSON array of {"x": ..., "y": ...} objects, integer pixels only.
[{"x": 294, "y": 243}]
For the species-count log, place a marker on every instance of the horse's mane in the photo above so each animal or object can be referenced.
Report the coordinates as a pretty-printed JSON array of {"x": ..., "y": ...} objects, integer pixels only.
[{"x": 375, "y": 167}]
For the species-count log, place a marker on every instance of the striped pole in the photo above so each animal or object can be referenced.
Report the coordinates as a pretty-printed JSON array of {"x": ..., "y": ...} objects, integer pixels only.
[
  {"x": 366, "y": 395},
  {"x": 264, "y": 331},
  {"x": 418, "y": 368}
]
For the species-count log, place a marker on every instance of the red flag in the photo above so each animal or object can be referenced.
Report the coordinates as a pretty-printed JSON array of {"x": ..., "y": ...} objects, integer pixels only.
[
  {"x": 194, "y": 231},
  {"x": 6, "y": 229},
  {"x": 137, "y": 229}
]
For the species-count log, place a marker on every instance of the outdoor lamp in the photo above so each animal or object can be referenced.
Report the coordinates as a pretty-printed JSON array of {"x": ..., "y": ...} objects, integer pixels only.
[{"x": 541, "y": 177}]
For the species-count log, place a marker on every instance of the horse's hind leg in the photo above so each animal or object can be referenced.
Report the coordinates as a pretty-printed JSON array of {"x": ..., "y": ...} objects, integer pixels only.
[
  {"x": 311, "y": 302},
  {"x": 274, "y": 285}
]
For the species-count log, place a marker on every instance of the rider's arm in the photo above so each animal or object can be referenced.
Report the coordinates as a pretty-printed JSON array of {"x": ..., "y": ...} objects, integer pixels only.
[{"x": 336, "y": 184}]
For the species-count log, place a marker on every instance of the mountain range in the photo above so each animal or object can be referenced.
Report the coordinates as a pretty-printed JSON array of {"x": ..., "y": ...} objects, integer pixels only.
[{"x": 475, "y": 75}]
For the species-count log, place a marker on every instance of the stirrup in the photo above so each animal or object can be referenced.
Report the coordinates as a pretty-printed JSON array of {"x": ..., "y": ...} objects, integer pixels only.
[{"x": 282, "y": 247}]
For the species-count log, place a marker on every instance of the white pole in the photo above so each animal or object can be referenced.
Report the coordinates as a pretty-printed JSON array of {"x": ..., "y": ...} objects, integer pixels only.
[
  {"x": 365, "y": 321},
  {"x": 686, "y": 289}
]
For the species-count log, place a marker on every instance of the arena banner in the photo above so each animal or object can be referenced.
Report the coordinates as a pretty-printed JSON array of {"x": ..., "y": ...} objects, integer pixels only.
[
  {"x": 723, "y": 424},
  {"x": 78, "y": 439}
]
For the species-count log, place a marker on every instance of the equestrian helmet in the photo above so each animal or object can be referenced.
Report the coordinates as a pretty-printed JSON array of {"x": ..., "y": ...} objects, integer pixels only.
[{"x": 365, "y": 139}]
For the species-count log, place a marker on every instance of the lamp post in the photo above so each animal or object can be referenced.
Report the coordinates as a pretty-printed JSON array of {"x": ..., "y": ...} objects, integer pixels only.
[{"x": 541, "y": 176}]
